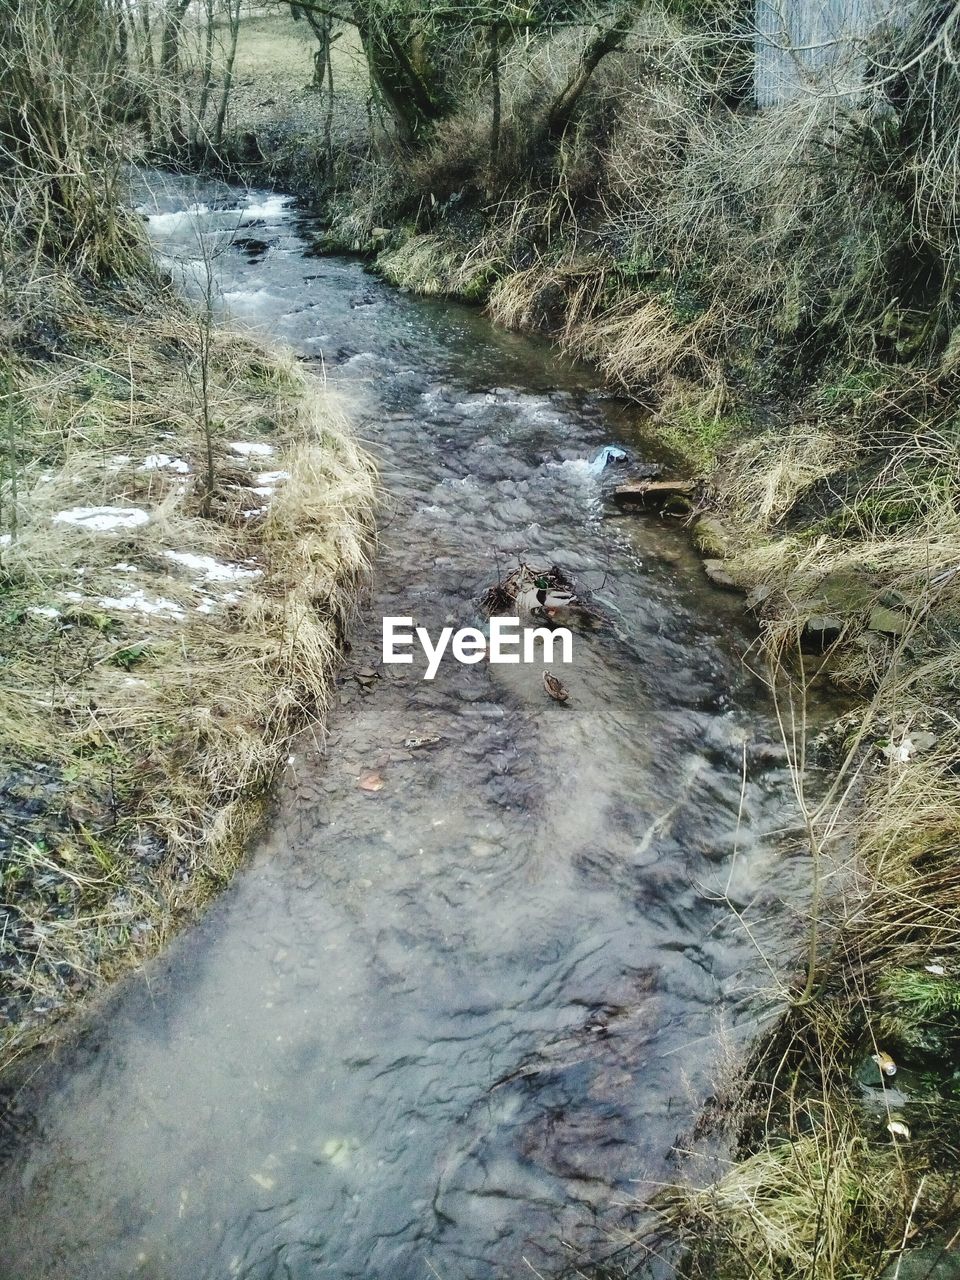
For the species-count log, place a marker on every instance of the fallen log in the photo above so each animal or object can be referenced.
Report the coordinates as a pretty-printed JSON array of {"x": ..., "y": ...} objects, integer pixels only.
[{"x": 653, "y": 494}]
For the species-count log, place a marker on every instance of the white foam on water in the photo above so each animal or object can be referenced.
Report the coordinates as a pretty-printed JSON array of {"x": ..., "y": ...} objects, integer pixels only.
[
  {"x": 272, "y": 207},
  {"x": 167, "y": 222}
]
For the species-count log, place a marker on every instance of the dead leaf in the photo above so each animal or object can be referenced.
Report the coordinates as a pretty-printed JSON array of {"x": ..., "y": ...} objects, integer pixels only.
[{"x": 370, "y": 780}]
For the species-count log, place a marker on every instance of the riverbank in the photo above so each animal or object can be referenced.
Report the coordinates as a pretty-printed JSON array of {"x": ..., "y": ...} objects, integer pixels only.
[
  {"x": 188, "y": 519},
  {"x": 809, "y": 387}
]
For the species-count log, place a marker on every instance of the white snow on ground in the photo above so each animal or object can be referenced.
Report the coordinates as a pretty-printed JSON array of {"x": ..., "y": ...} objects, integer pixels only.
[
  {"x": 251, "y": 448},
  {"x": 272, "y": 477},
  {"x": 43, "y": 611},
  {"x": 164, "y": 462},
  {"x": 139, "y": 602},
  {"x": 103, "y": 519},
  {"x": 5, "y": 539},
  {"x": 212, "y": 570},
  {"x": 123, "y": 567}
]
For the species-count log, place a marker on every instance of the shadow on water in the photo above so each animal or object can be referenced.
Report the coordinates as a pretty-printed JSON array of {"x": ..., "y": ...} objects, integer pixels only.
[{"x": 455, "y": 1024}]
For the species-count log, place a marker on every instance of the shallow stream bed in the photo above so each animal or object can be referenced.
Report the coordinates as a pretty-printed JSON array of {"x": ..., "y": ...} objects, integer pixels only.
[{"x": 458, "y": 1022}]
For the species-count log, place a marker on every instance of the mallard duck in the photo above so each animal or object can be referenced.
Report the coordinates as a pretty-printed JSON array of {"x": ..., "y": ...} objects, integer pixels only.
[
  {"x": 555, "y": 689},
  {"x": 551, "y": 598}
]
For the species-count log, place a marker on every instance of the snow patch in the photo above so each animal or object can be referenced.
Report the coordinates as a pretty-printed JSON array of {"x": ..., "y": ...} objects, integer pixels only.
[
  {"x": 272, "y": 477},
  {"x": 139, "y": 602},
  {"x": 212, "y": 570},
  {"x": 164, "y": 462},
  {"x": 251, "y": 448},
  {"x": 43, "y": 611},
  {"x": 103, "y": 519}
]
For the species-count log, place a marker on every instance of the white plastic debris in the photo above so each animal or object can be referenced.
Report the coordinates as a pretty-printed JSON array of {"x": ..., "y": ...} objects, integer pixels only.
[
  {"x": 103, "y": 519},
  {"x": 899, "y": 753}
]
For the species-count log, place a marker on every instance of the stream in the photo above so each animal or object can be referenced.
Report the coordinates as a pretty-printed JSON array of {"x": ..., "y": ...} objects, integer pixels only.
[{"x": 452, "y": 1028}]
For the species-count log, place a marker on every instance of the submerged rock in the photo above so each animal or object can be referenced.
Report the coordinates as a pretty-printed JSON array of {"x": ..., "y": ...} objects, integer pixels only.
[
  {"x": 720, "y": 576},
  {"x": 820, "y": 631}
]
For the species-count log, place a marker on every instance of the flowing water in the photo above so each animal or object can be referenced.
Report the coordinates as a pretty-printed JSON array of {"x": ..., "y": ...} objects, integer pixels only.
[{"x": 439, "y": 1029}]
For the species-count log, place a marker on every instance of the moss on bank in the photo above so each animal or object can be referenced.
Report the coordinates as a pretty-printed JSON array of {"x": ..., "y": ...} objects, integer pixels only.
[{"x": 164, "y": 630}]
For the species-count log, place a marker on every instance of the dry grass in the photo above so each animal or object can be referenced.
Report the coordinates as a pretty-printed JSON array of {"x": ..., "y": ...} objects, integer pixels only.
[{"x": 155, "y": 727}]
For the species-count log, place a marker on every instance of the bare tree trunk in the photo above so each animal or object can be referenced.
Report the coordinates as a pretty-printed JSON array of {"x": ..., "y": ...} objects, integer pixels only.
[
  {"x": 495, "y": 94},
  {"x": 173, "y": 16},
  {"x": 233, "y": 13},
  {"x": 328, "y": 119},
  {"x": 606, "y": 41},
  {"x": 207, "y": 73}
]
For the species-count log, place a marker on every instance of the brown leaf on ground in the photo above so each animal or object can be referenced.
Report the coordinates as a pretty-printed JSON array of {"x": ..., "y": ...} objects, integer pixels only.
[{"x": 370, "y": 780}]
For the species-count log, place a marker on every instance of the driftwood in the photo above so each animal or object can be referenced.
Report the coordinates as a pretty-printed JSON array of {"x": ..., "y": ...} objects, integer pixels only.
[{"x": 653, "y": 494}]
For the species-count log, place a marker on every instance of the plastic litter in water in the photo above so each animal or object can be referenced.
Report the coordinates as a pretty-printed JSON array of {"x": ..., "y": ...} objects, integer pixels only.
[{"x": 584, "y": 468}]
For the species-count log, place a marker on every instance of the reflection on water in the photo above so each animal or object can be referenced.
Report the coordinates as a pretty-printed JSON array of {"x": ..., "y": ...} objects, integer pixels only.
[{"x": 440, "y": 1028}]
